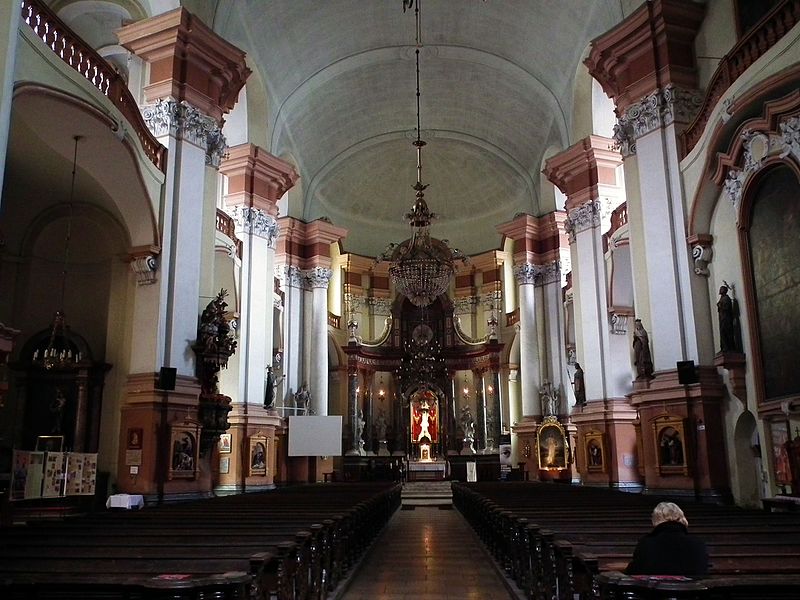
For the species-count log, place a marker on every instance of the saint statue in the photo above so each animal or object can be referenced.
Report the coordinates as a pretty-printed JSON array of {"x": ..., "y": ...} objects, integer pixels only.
[
  {"x": 302, "y": 399},
  {"x": 578, "y": 386},
  {"x": 641, "y": 352},
  {"x": 728, "y": 314},
  {"x": 381, "y": 426},
  {"x": 270, "y": 386},
  {"x": 549, "y": 399}
]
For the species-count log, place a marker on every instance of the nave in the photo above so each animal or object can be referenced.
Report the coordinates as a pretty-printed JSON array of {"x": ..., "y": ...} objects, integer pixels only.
[{"x": 427, "y": 553}]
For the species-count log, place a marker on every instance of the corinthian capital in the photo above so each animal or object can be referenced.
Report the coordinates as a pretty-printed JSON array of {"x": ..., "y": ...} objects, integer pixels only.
[
  {"x": 526, "y": 273},
  {"x": 318, "y": 277},
  {"x": 256, "y": 222},
  {"x": 184, "y": 121},
  {"x": 582, "y": 218}
]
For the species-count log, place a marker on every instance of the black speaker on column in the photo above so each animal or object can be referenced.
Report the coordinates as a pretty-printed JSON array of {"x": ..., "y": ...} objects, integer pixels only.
[
  {"x": 166, "y": 378},
  {"x": 687, "y": 373}
]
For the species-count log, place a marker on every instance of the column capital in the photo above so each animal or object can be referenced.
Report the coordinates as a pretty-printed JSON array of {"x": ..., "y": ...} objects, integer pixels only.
[
  {"x": 318, "y": 277},
  {"x": 256, "y": 177},
  {"x": 256, "y": 222},
  {"x": 651, "y": 49},
  {"x": 581, "y": 168},
  {"x": 144, "y": 263},
  {"x": 183, "y": 53},
  {"x": 538, "y": 275},
  {"x": 185, "y": 121},
  {"x": 582, "y": 218}
]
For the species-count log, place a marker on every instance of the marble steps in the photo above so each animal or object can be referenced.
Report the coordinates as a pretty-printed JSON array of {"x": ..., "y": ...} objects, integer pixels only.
[{"x": 427, "y": 493}]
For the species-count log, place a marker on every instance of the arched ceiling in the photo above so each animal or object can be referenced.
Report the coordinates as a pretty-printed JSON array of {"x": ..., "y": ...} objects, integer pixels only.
[{"x": 496, "y": 81}]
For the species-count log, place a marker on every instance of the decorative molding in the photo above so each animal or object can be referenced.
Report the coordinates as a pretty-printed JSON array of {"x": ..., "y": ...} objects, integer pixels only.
[
  {"x": 381, "y": 307},
  {"x": 184, "y": 121},
  {"x": 465, "y": 305},
  {"x": 789, "y": 140},
  {"x": 144, "y": 265},
  {"x": 538, "y": 275},
  {"x": 254, "y": 221},
  {"x": 526, "y": 273},
  {"x": 702, "y": 253},
  {"x": 663, "y": 107},
  {"x": 619, "y": 323},
  {"x": 582, "y": 218},
  {"x": 492, "y": 300},
  {"x": 293, "y": 277},
  {"x": 318, "y": 277}
]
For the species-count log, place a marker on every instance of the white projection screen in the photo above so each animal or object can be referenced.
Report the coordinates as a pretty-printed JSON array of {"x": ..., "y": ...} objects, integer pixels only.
[{"x": 310, "y": 435}]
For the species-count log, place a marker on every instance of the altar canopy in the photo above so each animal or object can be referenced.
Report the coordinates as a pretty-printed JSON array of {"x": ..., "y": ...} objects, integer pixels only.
[{"x": 424, "y": 417}]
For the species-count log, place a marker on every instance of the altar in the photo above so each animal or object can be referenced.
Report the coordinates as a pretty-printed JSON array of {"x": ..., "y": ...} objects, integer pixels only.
[{"x": 429, "y": 470}]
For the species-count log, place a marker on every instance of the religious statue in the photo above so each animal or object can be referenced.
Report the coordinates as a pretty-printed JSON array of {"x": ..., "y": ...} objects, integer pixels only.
[
  {"x": 270, "y": 386},
  {"x": 578, "y": 386},
  {"x": 215, "y": 340},
  {"x": 468, "y": 425},
  {"x": 381, "y": 426},
  {"x": 57, "y": 408},
  {"x": 302, "y": 399},
  {"x": 359, "y": 431},
  {"x": 728, "y": 312},
  {"x": 549, "y": 398},
  {"x": 641, "y": 352},
  {"x": 423, "y": 420}
]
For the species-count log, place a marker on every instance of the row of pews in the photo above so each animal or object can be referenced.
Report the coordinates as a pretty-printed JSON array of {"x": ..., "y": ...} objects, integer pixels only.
[
  {"x": 561, "y": 542},
  {"x": 290, "y": 544}
]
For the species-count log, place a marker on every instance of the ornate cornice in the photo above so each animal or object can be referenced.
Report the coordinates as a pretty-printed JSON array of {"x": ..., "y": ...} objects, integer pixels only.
[
  {"x": 184, "y": 121},
  {"x": 582, "y": 218},
  {"x": 318, "y": 277},
  {"x": 658, "y": 109},
  {"x": 256, "y": 222},
  {"x": 549, "y": 273}
]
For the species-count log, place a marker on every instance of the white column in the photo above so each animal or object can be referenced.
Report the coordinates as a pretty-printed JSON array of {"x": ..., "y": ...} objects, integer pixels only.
[
  {"x": 258, "y": 231},
  {"x": 514, "y": 412},
  {"x": 528, "y": 340},
  {"x": 675, "y": 331},
  {"x": 192, "y": 140},
  {"x": 292, "y": 330},
  {"x": 9, "y": 27},
  {"x": 318, "y": 278},
  {"x": 556, "y": 364}
]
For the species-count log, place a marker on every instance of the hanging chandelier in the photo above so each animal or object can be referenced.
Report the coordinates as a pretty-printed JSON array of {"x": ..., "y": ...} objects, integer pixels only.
[
  {"x": 421, "y": 266},
  {"x": 61, "y": 352}
]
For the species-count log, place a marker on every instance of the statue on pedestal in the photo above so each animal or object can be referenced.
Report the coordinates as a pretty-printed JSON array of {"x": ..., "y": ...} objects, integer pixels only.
[
  {"x": 302, "y": 400},
  {"x": 641, "y": 352},
  {"x": 578, "y": 386},
  {"x": 359, "y": 432},
  {"x": 270, "y": 386},
  {"x": 730, "y": 337},
  {"x": 468, "y": 425},
  {"x": 550, "y": 400}
]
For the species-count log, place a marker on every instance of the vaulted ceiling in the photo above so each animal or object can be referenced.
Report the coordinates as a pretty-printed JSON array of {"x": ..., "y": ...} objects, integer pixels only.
[{"x": 497, "y": 91}]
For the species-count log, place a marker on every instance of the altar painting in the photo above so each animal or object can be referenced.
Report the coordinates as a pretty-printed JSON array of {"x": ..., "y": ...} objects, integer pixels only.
[
  {"x": 424, "y": 417},
  {"x": 553, "y": 445}
]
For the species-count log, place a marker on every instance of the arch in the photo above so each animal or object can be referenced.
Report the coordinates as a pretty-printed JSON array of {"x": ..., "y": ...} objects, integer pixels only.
[{"x": 747, "y": 469}]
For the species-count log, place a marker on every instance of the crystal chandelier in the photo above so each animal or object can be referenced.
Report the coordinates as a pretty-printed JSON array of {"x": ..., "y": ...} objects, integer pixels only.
[
  {"x": 421, "y": 266},
  {"x": 61, "y": 352}
]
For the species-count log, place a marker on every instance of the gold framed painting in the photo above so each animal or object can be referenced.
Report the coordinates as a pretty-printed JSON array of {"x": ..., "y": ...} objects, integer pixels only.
[
  {"x": 595, "y": 451},
  {"x": 671, "y": 447},
  {"x": 225, "y": 443},
  {"x": 49, "y": 443},
  {"x": 184, "y": 450},
  {"x": 553, "y": 446},
  {"x": 257, "y": 455}
]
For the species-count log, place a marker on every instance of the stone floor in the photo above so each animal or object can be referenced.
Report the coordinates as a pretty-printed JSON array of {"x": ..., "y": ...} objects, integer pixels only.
[{"x": 427, "y": 554}]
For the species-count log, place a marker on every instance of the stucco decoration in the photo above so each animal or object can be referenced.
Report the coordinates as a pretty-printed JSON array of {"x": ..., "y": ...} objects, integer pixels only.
[
  {"x": 702, "y": 255},
  {"x": 526, "y": 273},
  {"x": 293, "y": 277},
  {"x": 144, "y": 266},
  {"x": 381, "y": 307},
  {"x": 465, "y": 305},
  {"x": 184, "y": 121},
  {"x": 318, "y": 277},
  {"x": 582, "y": 218},
  {"x": 538, "y": 275},
  {"x": 256, "y": 222}
]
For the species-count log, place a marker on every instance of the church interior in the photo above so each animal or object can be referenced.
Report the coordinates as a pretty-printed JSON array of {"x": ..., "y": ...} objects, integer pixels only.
[{"x": 262, "y": 246}]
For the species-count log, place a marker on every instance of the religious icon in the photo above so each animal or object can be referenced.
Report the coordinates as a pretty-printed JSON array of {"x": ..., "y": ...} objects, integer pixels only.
[
  {"x": 670, "y": 441},
  {"x": 49, "y": 443},
  {"x": 135, "y": 438},
  {"x": 423, "y": 417},
  {"x": 225, "y": 443},
  {"x": 184, "y": 450},
  {"x": 553, "y": 445},
  {"x": 258, "y": 454},
  {"x": 595, "y": 451}
]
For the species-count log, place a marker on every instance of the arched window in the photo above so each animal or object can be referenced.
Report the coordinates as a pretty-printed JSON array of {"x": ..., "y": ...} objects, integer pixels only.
[{"x": 773, "y": 238}]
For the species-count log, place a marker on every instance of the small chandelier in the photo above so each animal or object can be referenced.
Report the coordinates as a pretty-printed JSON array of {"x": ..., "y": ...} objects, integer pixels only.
[
  {"x": 421, "y": 266},
  {"x": 61, "y": 352}
]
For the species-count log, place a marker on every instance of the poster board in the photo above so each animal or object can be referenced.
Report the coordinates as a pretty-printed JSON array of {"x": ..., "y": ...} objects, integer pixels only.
[
  {"x": 52, "y": 474},
  {"x": 53, "y": 481},
  {"x": 311, "y": 435}
]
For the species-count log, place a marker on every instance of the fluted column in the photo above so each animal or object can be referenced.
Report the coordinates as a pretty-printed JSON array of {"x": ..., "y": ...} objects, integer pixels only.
[
  {"x": 318, "y": 279},
  {"x": 526, "y": 274},
  {"x": 293, "y": 343}
]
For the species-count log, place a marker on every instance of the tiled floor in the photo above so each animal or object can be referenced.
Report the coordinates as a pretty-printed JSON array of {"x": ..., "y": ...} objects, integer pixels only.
[{"x": 427, "y": 554}]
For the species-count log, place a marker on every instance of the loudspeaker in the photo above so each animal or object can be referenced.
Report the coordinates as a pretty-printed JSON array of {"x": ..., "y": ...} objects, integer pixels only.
[
  {"x": 686, "y": 372},
  {"x": 166, "y": 378}
]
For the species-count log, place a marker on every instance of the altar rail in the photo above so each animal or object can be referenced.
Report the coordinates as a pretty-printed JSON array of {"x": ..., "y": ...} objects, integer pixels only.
[
  {"x": 752, "y": 46},
  {"x": 560, "y": 542},
  {"x": 70, "y": 48},
  {"x": 291, "y": 544}
]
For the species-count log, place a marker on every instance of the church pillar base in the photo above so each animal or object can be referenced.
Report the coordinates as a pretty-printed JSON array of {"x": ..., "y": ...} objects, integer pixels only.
[
  {"x": 682, "y": 435},
  {"x": 604, "y": 453},
  {"x": 251, "y": 425},
  {"x": 529, "y": 452}
]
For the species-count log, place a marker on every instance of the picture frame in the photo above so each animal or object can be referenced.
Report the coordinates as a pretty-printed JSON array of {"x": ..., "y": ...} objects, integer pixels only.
[
  {"x": 134, "y": 438},
  {"x": 671, "y": 447},
  {"x": 224, "y": 465},
  {"x": 594, "y": 444},
  {"x": 257, "y": 456},
  {"x": 50, "y": 443},
  {"x": 779, "y": 439},
  {"x": 184, "y": 450},
  {"x": 552, "y": 444},
  {"x": 225, "y": 443}
]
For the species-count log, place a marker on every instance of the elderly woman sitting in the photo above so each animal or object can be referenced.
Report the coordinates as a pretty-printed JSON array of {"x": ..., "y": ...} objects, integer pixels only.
[{"x": 668, "y": 549}]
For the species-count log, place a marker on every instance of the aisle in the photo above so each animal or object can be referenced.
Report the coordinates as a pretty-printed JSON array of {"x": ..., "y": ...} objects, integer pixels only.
[{"x": 427, "y": 554}]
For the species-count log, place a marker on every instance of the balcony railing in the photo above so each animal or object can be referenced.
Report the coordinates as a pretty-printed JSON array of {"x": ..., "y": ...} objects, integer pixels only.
[
  {"x": 512, "y": 318},
  {"x": 334, "y": 321},
  {"x": 763, "y": 36},
  {"x": 85, "y": 60},
  {"x": 226, "y": 226}
]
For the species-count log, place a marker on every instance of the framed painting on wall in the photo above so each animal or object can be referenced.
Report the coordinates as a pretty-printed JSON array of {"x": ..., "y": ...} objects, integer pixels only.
[
  {"x": 258, "y": 455},
  {"x": 670, "y": 445},
  {"x": 594, "y": 444},
  {"x": 552, "y": 444},
  {"x": 184, "y": 450},
  {"x": 225, "y": 443},
  {"x": 779, "y": 438}
]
